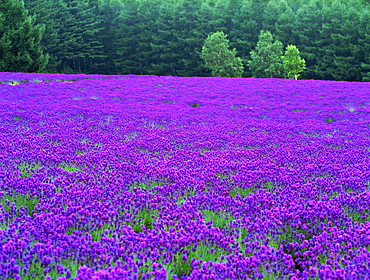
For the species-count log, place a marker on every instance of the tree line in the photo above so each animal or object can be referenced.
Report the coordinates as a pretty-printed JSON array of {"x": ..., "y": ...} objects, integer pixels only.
[
  {"x": 267, "y": 60},
  {"x": 166, "y": 37}
]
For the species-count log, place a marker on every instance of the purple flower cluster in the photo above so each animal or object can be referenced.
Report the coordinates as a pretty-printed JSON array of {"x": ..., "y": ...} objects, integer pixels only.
[{"x": 141, "y": 177}]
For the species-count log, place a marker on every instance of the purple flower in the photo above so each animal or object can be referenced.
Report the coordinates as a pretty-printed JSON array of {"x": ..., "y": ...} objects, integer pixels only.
[{"x": 46, "y": 260}]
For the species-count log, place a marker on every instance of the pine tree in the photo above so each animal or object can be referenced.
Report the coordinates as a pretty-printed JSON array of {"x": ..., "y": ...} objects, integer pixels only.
[
  {"x": 136, "y": 24},
  {"x": 45, "y": 13},
  {"x": 219, "y": 58},
  {"x": 107, "y": 14},
  {"x": 20, "y": 49},
  {"x": 365, "y": 45},
  {"x": 86, "y": 26},
  {"x": 337, "y": 46},
  {"x": 266, "y": 60},
  {"x": 74, "y": 45},
  {"x": 307, "y": 30},
  {"x": 190, "y": 27},
  {"x": 293, "y": 63},
  {"x": 165, "y": 47}
]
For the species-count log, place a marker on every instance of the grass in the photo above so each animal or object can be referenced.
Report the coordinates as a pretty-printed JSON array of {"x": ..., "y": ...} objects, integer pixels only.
[
  {"x": 220, "y": 220},
  {"x": 19, "y": 201},
  {"x": 194, "y": 104},
  {"x": 180, "y": 200},
  {"x": 190, "y": 192},
  {"x": 147, "y": 216},
  {"x": 70, "y": 168},
  {"x": 203, "y": 151},
  {"x": 156, "y": 126},
  {"x": 17, "y": 82},
  {"x": 27, "y": 169},
  {"x": 360, "y": 218},
  {"x": 180, "y": 264},
  {"x": 37, "y": 271},
  {"x": 146, "y": 185},
  {"x": 143, "y": 219},
  {"x": 79, "y": 152},
  {"x": 130, "y": 137},
  {"x": 269, "y": 187},
  {"x": 329, "y": 120},
  {"x": 243, "y": 192},
  {"x": 13, "y": 82},
  {"x": 54, "y": 143},
  {"x": 97, "y": 234}
]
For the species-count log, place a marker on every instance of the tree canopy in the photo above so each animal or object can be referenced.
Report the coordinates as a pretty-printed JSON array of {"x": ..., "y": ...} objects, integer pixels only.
[
  {"x": 20, "y": 49},
  {"x": 219, "y": 58},
  {"x": 166, "y": 37},
  {"x": 293, "y": 63},
  {"x": 266, "y": 60}
]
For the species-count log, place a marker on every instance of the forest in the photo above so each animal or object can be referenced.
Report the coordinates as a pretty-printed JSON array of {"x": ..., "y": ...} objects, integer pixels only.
[{"x": 165, "y": 37}]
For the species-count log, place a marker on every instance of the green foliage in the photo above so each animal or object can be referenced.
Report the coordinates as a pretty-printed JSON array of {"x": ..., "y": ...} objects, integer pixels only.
[
  {"x": 70, "y": 33},
  {"x": 329, "y": 120},
  {"x": 180, "y": 264},
  {"x": 220, "y": 220},
  {"x": 338, "y": 50},
  {"x": 219, "y": 58},
  {"x": 365, "y": 45},
  {"x": 97, "y": 234},
  {"x": 361, "y": 217},
  {"x": 70, "y": 168},
  {"x": 37, "y": 271},
  {"x": 266, "y": 60},
  {"x": 77, "y": 28},
  {"x": 293, "y": 63},
  {"x": 45, "y": 14},
  {"x": 194, "y": 104},
  {"x": 190, "y": 31},
  {"x": 133, "y": 48},
  {"x": 147, "y": 185},
  {"x": 243, "y": 192},
  {"x": 144, "y": 219},
  {"x": 279, "y": 18},
  {"x": 20, "y": 49},
  {"x": 19, "y": 200},
  {"x": 166, "y": 37},
  {"x": 28, "y": 169},
  {"x": 131, "y": 136}
]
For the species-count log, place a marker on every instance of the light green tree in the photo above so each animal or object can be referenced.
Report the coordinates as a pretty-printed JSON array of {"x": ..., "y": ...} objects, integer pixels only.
[
  {"x": 219, "y": 58},
  {"x": 266, "y": 60},
  {"x": 293, "y": 63}
]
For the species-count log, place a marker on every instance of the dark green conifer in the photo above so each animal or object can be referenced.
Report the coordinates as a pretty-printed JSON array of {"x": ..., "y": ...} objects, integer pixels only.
[{"x": 20, "y": 49}]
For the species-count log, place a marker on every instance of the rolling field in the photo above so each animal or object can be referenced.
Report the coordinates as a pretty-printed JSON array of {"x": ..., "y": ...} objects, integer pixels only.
[{"x": 141, "y": 177}]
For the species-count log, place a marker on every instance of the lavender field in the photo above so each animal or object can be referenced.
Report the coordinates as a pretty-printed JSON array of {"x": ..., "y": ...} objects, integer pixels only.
[{"x": 142, "y": 177}]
